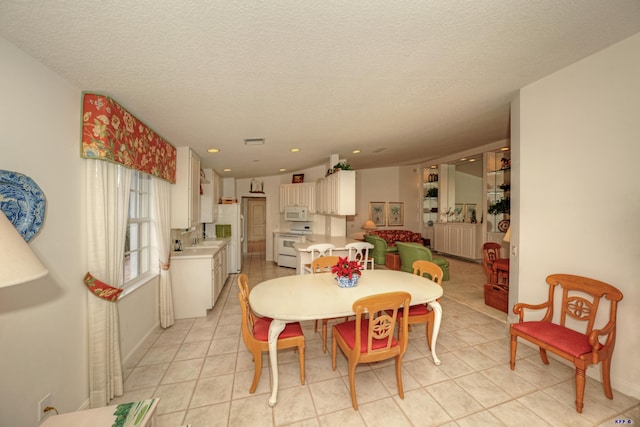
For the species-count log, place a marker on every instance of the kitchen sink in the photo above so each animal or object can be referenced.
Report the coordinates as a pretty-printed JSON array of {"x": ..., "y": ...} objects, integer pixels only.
[{"x": 215, "y": 243}]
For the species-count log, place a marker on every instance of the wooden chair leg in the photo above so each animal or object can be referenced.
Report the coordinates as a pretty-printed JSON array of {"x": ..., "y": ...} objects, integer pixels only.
[
  {"x": 352, "y": 384},
  {"x": 514, "y": 349},
  {"x": 399, "y": 376},
  {"x": 580, "y": 381},
  {"x": 325, "y": 323},
  {"x": 301, "y": 360},
  {"x": 257, "y": 359},
  {"x": 543, "y": 356},
  {"x": 606, "y": 378}
]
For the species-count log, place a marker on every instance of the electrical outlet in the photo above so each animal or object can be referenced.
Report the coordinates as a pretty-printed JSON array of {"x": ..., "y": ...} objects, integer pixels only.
[{"x": 46, "y": 401}]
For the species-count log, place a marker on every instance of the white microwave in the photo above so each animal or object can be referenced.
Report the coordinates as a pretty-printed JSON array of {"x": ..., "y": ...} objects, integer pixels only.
[{"x": 295, "y": 213}]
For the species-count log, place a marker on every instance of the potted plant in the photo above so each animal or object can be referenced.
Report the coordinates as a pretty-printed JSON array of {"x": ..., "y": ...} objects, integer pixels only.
[
  {"x": 502, "y": 206},
  {"x": 347, "y": 272},
  {"x": 342, "y": 166}
]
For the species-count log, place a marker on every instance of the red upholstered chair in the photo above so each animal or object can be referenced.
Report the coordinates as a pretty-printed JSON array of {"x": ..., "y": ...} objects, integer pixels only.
[
  {"x": 371, "y": 339},
  {"x": 581, "y": 297},
  {"x": 255, "y": 334}
]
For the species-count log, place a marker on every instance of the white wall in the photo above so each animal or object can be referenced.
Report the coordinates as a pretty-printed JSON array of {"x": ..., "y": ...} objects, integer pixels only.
[
  {"x": 576, "y": 148},
  {"x": 43, "y": 334}
]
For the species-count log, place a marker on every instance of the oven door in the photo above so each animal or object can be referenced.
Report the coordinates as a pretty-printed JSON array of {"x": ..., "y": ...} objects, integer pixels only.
[{"x": 286, "y": 251}]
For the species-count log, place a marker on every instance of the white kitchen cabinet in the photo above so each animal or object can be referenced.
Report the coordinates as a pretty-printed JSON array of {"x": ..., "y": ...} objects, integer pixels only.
[
  {"x": 185, "y": 193},
  {"x": 460, "y": 239},
  {"x": 193, "y": 284},
  {"x": 303, "y": 194},
  {"x": 210, "y": 197},
  {"x": 337, "y": 193}
]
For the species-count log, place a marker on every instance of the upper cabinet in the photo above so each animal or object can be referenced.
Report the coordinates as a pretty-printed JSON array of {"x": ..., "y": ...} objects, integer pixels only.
[
  {"x": 303, "y": 194},
  {"x": 210, "y": 184},
  {"x": 336, "y": 193},
  {"x": 185, "y": 194}
]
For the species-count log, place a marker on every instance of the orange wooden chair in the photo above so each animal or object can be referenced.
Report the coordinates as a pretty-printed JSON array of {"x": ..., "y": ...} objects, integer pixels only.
[
  {"x": 255, "y": 334},
  {"x": 322, "y": 265},
  {"x": 422, "y": 313},
  {"x": 580, "y": 301},
  {"x": 371, "y": 339},
  {"x": 490, "y": 253}
]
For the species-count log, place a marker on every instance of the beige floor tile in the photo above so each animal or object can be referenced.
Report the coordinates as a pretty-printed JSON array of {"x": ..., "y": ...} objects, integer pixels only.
[
  {"x": 479, "y": 419},
  {"x": 457, "y": 402},
  {"x": 552, "y": 411},
  {"x": 294, "y": 405},
  {"x": 422, "y": 409},
  {"x": 513, "y": 413},
  {"x": 174, "y": 397},
  {"x": 212, "y": 390},
  {"x": 145, "y": 376},
  {"x": 484, "y": 391},
  {"x": 253, "y": 411},
  {"x": 383, "y": 413},
  {"x": 192, "y": 350},
  {"x": 170, "y": 420},
  {"x": 159, "y": 354},
  {"x": 344, "y": 418},
  {"x": 183, "y": 370},
  {"x": 330, "y": 395},
  {"x": 219, "y": 365},
  {"x": 211, "y": 416}
]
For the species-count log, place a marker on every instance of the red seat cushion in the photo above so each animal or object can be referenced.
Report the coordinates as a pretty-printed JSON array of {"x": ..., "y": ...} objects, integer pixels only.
[
  {"x": 564, "y": 339},
  {"x": 414, "y": 310},
  {"x": 348, "y": 331},
  {"x": 261, "y": 329}
]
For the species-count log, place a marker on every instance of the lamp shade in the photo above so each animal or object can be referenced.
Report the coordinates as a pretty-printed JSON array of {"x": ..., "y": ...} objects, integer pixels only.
[
  {"x": 18, "y": 264},
  {"x": 369, "y": 225},
  {"x": 507, "y": 235}
]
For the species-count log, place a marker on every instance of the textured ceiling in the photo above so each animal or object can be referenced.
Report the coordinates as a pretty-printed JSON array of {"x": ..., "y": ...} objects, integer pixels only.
[{"x": 402, "y": 81}]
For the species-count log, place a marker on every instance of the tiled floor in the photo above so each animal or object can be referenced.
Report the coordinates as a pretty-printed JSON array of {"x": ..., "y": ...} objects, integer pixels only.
[{"x": 202, "y": 371}]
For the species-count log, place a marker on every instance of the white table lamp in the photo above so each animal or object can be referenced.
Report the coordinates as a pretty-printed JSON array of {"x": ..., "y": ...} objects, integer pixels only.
[{"x": 18, "y": 264}]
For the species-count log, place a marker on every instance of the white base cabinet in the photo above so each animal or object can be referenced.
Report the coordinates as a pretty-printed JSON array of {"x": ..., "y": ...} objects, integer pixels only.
[{"x": 459, "y": 239}]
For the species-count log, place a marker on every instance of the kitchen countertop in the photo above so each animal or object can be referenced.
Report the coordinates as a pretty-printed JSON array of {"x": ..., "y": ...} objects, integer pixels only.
[{"x": 204, "y": 250}]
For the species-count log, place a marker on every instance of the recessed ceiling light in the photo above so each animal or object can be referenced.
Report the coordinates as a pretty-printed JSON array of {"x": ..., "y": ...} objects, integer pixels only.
[
  {"x": 504, "y": 149},
  {"x": 434, "y": 166},
  {"x": 283, "y": 170},
  {"x": 213, "y": 150},
  {"x": 254, "y": 141},
  {"x": 294, "y": 150},
  {"x": 472, "y": 160},
  {"x": 226, "y": 170},
  {"x": 463, "y": 159},
  {"x": 355, "y": 151}
]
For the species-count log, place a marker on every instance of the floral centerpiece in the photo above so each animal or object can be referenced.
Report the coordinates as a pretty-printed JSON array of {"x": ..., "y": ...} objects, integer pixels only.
[{"x": 347, "y": 272}]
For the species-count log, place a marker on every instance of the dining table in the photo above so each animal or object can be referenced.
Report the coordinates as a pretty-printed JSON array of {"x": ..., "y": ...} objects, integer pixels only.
[{"x": 317, "y": 296}]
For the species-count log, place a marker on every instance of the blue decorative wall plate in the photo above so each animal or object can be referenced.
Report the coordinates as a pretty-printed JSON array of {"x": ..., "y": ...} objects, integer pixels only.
[{"x": 22, "y": 202}]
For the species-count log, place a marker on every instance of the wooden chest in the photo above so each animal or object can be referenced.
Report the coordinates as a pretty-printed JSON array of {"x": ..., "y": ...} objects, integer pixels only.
[
  {"x": 497, "y": 296},
  {"x": 392, "y": 260}
]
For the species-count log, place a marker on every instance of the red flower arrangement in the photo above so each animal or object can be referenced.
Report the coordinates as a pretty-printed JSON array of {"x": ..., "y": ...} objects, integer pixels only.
[{"x": 346, "y": 268}]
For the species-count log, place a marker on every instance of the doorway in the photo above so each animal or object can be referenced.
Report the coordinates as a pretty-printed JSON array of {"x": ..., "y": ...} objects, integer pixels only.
[{"x": 255, "y": 209}]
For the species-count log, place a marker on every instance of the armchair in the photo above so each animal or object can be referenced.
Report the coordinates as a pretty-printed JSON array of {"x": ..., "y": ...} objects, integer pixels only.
[
  {"x": 411, "y": 252},
  {"x": 380, "y": 248},
  {"x": 579, "y": 305}
]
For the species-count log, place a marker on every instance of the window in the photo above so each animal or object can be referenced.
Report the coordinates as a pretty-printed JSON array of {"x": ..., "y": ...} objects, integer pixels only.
[{"x": 137, "y": 240}]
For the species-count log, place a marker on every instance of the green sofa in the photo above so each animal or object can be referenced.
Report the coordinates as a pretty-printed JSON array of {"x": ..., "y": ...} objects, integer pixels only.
[
  {"x": 384, "y": 241},
  {"x": 410, "y": 252},
  {"x": 380, "y": 248}
]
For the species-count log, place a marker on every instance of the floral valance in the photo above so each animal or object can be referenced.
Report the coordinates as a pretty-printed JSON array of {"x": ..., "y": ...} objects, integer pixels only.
[{"x": 109, "y": 132}]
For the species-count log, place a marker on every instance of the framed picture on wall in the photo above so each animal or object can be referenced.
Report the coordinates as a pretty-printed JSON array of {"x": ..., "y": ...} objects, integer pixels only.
[
  {"x": 470, "y": 214},
  {"x": 377, "y": 213},
  {"x": 298, "y": 178},
  {"x": 396, "y": 214}
]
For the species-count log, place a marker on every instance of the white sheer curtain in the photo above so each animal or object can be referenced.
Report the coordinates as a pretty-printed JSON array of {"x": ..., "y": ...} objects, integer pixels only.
[
  {"x": 161, "y": 211},
  {"x": 108, "y": 188}
]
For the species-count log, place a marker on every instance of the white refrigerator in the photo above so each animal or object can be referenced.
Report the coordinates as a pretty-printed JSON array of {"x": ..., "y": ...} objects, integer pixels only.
[{"x": 231, "y": 214}]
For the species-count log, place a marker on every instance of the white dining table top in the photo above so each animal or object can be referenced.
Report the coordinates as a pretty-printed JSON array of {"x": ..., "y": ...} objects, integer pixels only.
[{"x": 318, "y": 296}]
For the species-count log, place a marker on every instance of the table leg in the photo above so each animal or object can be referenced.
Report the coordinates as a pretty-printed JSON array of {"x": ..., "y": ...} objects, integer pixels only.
[
  {"x": 275, "y": 328},
  {"x": 437, "y": 314}
]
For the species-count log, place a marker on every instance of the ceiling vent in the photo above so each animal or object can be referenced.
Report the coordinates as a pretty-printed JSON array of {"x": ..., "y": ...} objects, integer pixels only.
[{"x": 254, "y": 141}]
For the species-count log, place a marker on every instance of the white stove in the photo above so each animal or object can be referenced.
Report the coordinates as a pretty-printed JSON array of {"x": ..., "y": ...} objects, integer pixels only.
[
  {"x": 301, "y": 228},
  {"x": 287, "y": 254}
]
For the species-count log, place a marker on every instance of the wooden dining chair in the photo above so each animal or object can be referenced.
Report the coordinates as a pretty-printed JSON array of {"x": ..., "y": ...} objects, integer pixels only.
[
  {"x": 318, "y": 250},
  {"x": 359, "y": 251},
  {"x": 422, "y": 313},
  {"x": 255, "y": 334},
  {"x": 490, "y": 253},
  {"x": 371, "y": 339},
  {"x": 322, "y": 265},
  {"x": 579, "y": 305}
]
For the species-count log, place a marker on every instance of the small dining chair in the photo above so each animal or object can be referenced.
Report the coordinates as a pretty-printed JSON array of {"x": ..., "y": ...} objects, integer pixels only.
[
  {"x": 255, "y": 334},
  {"x": 322, "y": 265},
  {"x": 371, "y": 339},
  {"x": 359, "y": 251},
  {"x": 318, "y": 250},
  {"x": 490, "y": 253},
  {"x": 422, "y": 313}
]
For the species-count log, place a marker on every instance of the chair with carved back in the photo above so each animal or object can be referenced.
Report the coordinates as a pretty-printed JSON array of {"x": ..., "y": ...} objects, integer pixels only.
[
  {"x": 316, "y": 251},
  {"x": 490, "y": 253},
  {"x": 371, "y": 339},
  {"x": 255, "y": 334},
  {"x": 322, "y": 265},
  {"x": 359, "y": 251},
  {"x": 581, "y": 297}
]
